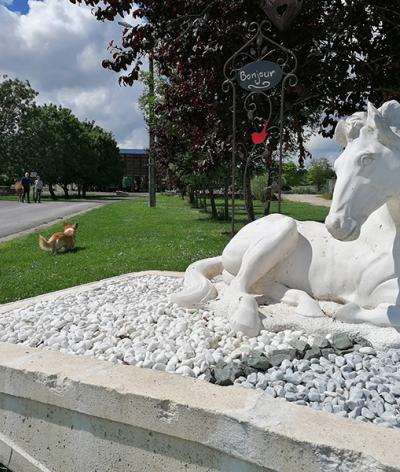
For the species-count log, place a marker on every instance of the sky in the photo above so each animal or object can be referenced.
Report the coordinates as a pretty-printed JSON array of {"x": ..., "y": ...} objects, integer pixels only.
[{"x": 58, "y": 47}]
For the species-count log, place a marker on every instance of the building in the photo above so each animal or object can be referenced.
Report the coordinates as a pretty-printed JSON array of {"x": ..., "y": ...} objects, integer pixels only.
[{"x": 136, "y": 170}]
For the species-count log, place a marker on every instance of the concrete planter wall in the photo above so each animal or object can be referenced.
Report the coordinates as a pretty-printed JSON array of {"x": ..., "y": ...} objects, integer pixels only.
[{"x": 65, "y": 413}]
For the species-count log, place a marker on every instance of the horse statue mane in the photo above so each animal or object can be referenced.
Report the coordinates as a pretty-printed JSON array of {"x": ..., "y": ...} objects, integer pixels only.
[
  {"x": 353, "y": 260},
  {"x": 349, "y": 129}
]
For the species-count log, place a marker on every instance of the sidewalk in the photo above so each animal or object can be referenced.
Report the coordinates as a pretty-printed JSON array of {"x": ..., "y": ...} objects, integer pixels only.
[{"x": 311, "y": 199}]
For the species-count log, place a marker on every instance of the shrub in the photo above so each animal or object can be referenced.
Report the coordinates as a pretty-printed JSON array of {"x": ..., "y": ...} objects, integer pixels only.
[
  {"x": 304, "y": 189},
  {"x": 258, "y": 185}
]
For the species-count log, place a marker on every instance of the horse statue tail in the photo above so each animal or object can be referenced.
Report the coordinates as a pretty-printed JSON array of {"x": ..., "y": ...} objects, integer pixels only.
[{"x": 197, "y": 288}]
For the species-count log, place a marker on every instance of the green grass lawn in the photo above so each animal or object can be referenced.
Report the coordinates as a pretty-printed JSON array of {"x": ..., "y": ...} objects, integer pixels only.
[{"x": 123, "y": 237}]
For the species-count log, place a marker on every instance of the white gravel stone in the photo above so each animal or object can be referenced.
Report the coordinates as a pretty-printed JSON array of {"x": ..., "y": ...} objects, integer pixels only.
[
  {"x": 367, "y": 350},
  {"x": 270, "y": 391}
]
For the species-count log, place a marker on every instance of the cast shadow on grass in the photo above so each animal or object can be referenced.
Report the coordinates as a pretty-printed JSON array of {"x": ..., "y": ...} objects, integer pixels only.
[
  {"x": 79, "y": 249},
  {"x": 72, "y": 251}
]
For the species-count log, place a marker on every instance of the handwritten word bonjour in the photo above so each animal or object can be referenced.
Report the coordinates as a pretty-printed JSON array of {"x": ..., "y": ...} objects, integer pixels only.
[{"x": 258, "y": 77}]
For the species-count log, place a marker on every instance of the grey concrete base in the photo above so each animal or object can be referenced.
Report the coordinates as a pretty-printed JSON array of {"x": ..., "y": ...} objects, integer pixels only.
[
  {"x": 72, "y": 441},
  {"x": 64, "y": 413}
]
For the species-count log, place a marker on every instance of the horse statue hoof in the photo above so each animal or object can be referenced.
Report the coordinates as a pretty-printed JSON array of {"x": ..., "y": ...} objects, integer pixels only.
[
  {"x": 347, "y": 313},
  {"x": 246, "y": 318},
  {"x": 309, "y": 309}
]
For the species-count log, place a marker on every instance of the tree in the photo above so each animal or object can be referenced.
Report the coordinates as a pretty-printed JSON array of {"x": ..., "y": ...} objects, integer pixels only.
[
  {"x": 347, "y": 51},
  {"x": 64, "y": 150},
  {"x": 319, "y": 172},
  {"x": 16, "y": 100},
  {"x": 293, "y": 174},
  {"x": 185, "y": 36},
  {"x": 104, "y": 166},
  {"x": 52, "y": 138}
]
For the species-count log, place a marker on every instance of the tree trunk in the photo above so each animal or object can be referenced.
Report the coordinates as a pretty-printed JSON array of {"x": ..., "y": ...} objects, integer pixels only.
[
  {"x": 51, "y": 190},
  {"x": 214, "y": 213},
  {"x": 268, "y": 195},
  {"x": 226, "y": 199},
  {"x": 248, "y": 199},
  {"x": 65, "y": 188},
  {"x": 196, "y": 199},
  {"x": 79, "y": 190},
  {"x": 267, "y": 203},
  {"x": 201, "y": 198},
  {"x": 84, "y": 188},
  {"x": 205, "y": 200},
  {"x": 191, "y": 196}
]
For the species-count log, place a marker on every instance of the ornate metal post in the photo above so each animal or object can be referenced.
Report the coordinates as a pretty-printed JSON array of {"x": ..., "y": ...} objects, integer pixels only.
[
  {"x": 234, "y": 150},
  {"x": 271, "y": 64}
]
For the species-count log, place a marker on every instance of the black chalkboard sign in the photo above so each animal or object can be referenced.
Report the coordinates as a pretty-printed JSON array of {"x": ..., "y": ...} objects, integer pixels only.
[{"x": 259, "y": 76}]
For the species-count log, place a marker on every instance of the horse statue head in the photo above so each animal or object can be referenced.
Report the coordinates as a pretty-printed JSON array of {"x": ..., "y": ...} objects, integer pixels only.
[{"x": 368, "y": 170}]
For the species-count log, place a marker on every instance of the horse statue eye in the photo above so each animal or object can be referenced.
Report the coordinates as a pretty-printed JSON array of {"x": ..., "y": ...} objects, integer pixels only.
[{"x": 367, "y": 159}]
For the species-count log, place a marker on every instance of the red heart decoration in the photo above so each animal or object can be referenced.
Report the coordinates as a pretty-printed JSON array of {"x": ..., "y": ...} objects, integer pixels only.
[{"x": 282, "y": 12}]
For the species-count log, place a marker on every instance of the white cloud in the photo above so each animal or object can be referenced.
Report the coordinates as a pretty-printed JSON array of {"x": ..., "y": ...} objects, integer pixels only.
[
  {"x": 323, "y": 147},
  {"x": 59, "y": 47}
]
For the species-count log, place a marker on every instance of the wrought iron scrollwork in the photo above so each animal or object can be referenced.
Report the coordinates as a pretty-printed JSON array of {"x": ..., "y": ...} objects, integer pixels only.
[{"x": 258, "y": 105}]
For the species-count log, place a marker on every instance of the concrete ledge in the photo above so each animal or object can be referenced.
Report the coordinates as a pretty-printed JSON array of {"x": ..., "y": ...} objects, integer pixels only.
[{"x": 64, "y": 413}]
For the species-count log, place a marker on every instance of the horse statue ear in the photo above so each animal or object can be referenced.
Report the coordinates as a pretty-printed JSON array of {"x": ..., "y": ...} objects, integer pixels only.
[
  {"x": 341, "y": 133},
  {"x": 349, "y": 129},
  {"x": 391, "y": 112},
  {"x": 380, "y": 126}
]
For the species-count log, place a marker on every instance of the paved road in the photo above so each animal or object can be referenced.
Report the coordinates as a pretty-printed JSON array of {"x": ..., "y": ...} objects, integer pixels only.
[
  {"x": 312, "y": 199},
  {"x": 16, "y": 217}
]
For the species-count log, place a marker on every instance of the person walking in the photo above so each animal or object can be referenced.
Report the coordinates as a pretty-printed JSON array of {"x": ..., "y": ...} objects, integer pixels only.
[
  {"x": 38, "y": 189},
  {"x": 26, "y": 183}
]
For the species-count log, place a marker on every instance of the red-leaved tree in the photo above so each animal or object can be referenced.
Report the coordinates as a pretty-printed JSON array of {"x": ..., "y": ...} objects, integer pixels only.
[{"x": 347, "y": 52}]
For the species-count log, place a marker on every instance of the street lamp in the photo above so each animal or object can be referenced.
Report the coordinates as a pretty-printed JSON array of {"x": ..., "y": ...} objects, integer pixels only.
[{"x": 151, "y": 160}]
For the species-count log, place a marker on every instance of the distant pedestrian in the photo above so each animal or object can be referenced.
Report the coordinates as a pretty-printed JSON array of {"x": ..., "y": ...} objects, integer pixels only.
[
  {"x": 38, "y": 189},
  {"x": 26, "y": 183}
]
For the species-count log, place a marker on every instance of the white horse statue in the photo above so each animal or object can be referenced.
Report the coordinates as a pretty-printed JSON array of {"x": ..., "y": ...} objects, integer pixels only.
[{"x": 354, "y": 259}]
